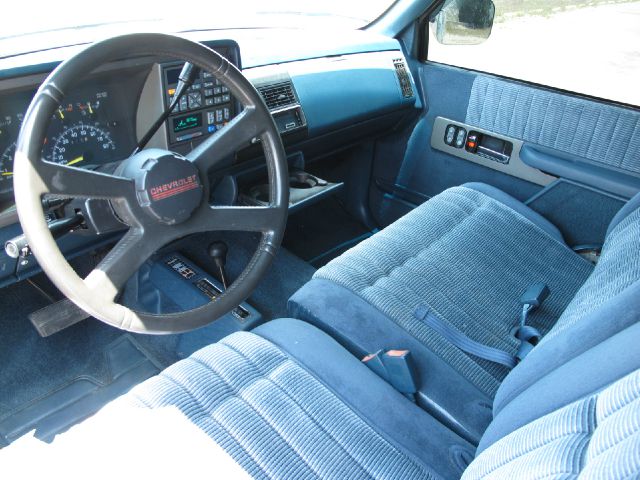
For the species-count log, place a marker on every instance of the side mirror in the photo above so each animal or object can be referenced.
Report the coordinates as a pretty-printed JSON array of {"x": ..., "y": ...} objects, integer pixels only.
[{"x": 464, "y": 22}]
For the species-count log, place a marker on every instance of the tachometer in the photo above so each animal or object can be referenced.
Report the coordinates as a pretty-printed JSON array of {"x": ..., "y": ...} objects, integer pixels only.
[
  {"x": 6, "y": 166},
  {"x": 82, "y": 144}
]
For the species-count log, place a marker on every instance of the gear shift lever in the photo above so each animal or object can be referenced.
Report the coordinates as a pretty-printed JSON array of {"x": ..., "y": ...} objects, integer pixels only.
[{"x": 218, "y": 252}]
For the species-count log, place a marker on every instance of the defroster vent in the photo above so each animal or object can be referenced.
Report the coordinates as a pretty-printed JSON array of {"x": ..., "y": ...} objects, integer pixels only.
[{"x": 278, "y": 95}]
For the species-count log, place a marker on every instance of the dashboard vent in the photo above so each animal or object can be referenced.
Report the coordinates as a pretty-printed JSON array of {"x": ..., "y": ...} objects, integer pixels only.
[
  {"x": 278, "y": 95},
  {"x": 403, "y": 77}
]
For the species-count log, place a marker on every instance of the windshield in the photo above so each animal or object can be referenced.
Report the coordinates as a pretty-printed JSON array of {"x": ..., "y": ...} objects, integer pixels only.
[{"x": 31, "y": 26}]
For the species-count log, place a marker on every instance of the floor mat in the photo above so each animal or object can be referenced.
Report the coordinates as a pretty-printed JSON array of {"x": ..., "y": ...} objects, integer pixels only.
[
  {"x": 125, "y": 365},
  {"x": 322, "y": 232}
]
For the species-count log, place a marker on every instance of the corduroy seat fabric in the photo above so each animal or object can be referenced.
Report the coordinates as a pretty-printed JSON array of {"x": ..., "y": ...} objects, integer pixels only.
[{"x": 467, "y": 257}]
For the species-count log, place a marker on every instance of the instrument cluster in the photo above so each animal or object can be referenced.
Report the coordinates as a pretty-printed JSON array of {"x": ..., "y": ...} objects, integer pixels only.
[{"x": 90, "y": 129}]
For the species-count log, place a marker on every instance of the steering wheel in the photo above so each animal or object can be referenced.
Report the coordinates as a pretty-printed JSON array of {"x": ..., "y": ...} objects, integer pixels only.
[{"x": 161, "y": 195}]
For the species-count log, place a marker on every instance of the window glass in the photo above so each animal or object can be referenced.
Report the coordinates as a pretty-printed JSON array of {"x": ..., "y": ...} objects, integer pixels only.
[{"x": 585, "y": 46}]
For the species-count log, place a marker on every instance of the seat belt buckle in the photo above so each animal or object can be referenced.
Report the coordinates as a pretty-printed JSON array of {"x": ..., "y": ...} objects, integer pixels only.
[
  {"x": 401, "y": 370},
  {"x": 395, "y": 367},
  {"x": 535, "y": 295},
  {"x": 374, "y": 362}
]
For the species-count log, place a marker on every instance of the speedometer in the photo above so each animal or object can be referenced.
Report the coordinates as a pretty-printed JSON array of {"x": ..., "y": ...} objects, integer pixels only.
[
  {"x": 82, "y": 144},
  {"x": 6, "y": 166}
]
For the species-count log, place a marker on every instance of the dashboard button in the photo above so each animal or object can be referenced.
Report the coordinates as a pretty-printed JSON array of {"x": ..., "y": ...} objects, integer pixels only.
[
  {"x": 217, "y": 90},
  {"x": 195, "y": 100},
  {"x": 208, "y": 102},
  {"x": 211, "y": 117},
  {"x": 183, "y": 104}
]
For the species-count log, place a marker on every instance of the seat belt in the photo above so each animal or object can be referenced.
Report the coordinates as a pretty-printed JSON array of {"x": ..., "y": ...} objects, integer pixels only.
[
  {"x": 529, "y": 336},
  {"x": 463, "y": 342}
]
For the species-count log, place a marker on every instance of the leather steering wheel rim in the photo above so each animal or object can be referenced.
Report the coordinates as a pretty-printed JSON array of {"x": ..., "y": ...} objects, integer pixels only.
[{"x": 35, "y": 177}]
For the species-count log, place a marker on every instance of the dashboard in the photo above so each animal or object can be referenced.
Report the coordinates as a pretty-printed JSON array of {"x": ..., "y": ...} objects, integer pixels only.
[{"x": 324, "y": 97}]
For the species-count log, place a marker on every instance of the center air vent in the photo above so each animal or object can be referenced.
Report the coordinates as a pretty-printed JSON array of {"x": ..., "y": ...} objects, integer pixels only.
[{"x": 278, "y": 95}]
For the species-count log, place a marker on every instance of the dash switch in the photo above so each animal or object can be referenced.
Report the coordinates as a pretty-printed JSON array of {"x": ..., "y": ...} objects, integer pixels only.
[{"x": 472, "y": 142}]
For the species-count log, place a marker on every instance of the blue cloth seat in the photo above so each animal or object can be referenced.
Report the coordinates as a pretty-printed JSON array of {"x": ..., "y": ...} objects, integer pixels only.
[
  {"x": 287, "y": 402},
  {"x": 467, "y": 255}
]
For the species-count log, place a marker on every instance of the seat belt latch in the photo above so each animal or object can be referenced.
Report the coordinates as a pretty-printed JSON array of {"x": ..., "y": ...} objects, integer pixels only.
[{"x": 529, "y": 336}]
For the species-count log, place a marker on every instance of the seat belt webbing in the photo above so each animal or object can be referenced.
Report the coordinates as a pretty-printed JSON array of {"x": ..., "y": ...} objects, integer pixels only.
[{"x": 463, "y": 342}]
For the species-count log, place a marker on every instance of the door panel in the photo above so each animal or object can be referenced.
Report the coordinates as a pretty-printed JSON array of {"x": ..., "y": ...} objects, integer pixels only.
[{"x": 590, "y": 142}]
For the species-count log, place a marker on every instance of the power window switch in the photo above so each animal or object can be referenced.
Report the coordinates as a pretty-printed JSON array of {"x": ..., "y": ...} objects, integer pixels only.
[
  {"x": 450, "y": 135},
  {"x": 461, "y": 136}
]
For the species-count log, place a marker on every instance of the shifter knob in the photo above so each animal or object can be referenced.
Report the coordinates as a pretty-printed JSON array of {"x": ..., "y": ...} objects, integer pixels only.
[{"x": 218, "y": 252}]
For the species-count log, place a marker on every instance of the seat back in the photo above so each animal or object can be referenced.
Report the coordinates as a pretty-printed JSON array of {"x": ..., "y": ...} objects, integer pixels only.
[
  {"x": 608, "y": 302},
  {"x": 572, "y": 407},
  {"x": 618, "y": 268},
  {"x": 595, "y": 437}
]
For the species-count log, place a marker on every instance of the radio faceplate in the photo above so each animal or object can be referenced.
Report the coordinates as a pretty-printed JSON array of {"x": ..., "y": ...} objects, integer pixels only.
[{"x": 206, "y": 108}]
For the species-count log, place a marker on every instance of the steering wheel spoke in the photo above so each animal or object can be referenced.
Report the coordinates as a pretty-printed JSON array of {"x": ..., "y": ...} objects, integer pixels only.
[
  {"x": 242, "y": 219},
  {"x": 238, "y": 133},
  {"x": 75, "y": 182},
  {"x": 122, "y": 261}
]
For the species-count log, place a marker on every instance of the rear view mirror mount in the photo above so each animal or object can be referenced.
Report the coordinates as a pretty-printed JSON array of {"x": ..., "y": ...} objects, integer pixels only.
[{"x": 463, "y": 22}]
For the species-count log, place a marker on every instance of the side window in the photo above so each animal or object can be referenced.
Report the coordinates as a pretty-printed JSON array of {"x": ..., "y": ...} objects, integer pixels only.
[{"x": 590, "y": 47}]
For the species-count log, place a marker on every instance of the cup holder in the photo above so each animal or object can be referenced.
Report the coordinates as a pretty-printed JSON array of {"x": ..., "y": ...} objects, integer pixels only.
[{"x": 302, "y": 180}]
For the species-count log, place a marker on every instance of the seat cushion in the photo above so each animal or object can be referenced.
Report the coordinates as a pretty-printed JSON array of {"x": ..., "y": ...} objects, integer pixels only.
[
  {"x": 273, "y": 416},
  {"x": 467, "y": 257},
  {"x": 363, "y": 329}
]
